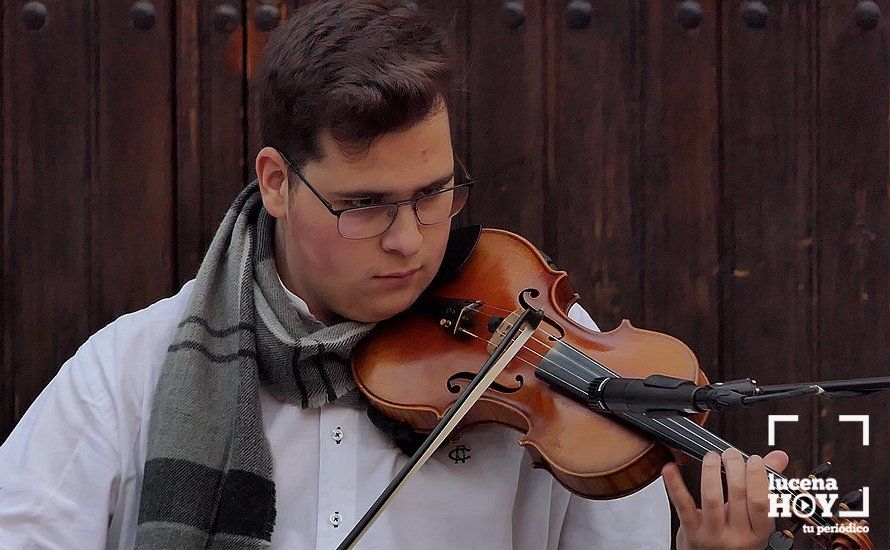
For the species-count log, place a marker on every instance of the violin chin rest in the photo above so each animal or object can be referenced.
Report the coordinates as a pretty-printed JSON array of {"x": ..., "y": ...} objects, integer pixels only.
[{"x": 461, "y": 243}]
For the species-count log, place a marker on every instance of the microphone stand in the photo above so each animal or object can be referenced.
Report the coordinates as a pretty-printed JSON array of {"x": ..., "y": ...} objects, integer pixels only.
[
  {"x": 837, "y": 389},
  {"x": 659, "y": 393}
]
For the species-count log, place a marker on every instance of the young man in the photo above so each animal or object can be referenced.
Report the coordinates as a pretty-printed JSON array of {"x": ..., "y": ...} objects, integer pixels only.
[{"x": 226, "y": 415}]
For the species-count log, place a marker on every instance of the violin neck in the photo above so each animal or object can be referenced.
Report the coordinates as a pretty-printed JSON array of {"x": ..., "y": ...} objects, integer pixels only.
[{"x": 571, "y": 370}]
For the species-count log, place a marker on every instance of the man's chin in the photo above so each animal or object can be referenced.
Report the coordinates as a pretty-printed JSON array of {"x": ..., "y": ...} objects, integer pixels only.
[{"x": 384, "y": 310}]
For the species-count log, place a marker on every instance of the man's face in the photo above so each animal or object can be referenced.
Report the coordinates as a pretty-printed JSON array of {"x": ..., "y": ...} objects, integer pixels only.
[{"x": 353, "y": 279}]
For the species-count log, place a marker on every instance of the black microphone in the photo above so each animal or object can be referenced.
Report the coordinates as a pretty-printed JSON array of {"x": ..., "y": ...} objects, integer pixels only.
[
  {"x": 665, "y": 393},
  {"x": 660, "y": 393}
]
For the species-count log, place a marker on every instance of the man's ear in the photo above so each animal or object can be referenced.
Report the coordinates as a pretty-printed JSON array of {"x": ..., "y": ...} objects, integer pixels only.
[{"x": 272, "y": 175}]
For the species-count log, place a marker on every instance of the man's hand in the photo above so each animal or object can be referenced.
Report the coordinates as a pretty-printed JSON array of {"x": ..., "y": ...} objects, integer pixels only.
[{"x": 741, "y": 522}]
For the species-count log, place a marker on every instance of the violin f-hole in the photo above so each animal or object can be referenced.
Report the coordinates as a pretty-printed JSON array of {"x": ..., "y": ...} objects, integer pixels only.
[
  {"x": 534, "y": 293},
  {"x": 468, "y": 376}
]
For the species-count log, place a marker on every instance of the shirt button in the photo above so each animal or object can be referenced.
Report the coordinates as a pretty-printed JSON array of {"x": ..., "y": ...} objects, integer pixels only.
[
  {"x": 337, "y": 435},
  {"x": 335, "y": 519}
]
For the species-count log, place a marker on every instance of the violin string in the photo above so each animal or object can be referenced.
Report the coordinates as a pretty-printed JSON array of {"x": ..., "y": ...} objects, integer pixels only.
[
  {"x": 543, "y": 358},
  {"x": 715, "y": 446},
  {"x": 709, "y": 445},
  {"x": 692, "y": 443}
]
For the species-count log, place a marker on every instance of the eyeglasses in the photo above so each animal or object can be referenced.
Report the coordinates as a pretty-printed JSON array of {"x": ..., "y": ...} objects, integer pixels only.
[{"x": 365, "y": 222}]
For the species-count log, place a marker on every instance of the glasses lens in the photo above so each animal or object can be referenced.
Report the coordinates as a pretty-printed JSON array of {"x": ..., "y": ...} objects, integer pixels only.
[
  {"x": 442, "y": 206},
  {"x": 364, "y": 223}
]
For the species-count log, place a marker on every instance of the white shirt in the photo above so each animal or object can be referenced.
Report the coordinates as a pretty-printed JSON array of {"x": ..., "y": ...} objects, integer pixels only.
[{"x": 71, "y": 471}]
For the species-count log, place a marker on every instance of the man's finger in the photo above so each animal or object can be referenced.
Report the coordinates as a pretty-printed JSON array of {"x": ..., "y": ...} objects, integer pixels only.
[
  {"x": 713, "y": 516},
  {"x": 777, "y": 460},
  {"x": 680, "y": 496},
  {"x": 736, "y": 484},
  {"x": 758, "y": 497}
]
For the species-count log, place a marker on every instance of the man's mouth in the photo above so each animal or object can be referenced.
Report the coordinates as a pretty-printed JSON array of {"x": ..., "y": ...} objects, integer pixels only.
[{"x": 398, "y": 276}]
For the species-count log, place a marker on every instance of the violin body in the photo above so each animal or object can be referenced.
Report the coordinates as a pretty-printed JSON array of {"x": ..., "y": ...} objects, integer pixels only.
[{"x": 412, "y": 367}]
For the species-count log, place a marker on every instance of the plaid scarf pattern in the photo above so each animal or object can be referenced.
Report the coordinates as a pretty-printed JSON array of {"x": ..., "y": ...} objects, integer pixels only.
[{"x": 208, "y": 479}]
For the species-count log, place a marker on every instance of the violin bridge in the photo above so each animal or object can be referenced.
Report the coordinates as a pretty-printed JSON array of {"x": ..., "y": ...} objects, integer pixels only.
[{"x": 498, "y": 332}]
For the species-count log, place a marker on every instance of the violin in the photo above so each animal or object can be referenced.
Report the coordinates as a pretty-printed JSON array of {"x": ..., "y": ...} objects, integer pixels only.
[{"x": 413, "y": 366}]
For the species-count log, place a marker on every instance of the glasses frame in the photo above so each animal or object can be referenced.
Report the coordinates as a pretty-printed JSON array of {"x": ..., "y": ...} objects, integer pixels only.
[{"x": 468, "y": 183}]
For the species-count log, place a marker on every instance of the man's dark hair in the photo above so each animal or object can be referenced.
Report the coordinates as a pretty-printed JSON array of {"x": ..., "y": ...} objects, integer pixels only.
[{"x": 357, "y": 68}]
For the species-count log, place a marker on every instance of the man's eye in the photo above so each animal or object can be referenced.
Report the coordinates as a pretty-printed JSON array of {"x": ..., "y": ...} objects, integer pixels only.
[
  {"x": 360, "y": 203},
  {"x": 436, "y": 189}
]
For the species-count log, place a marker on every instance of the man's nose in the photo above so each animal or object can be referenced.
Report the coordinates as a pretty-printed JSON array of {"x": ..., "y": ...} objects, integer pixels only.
[{"x": 403, "y": 236}]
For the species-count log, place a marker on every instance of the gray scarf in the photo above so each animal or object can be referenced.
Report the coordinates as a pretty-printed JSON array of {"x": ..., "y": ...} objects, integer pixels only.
[{"x": 208, "y": 472}]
